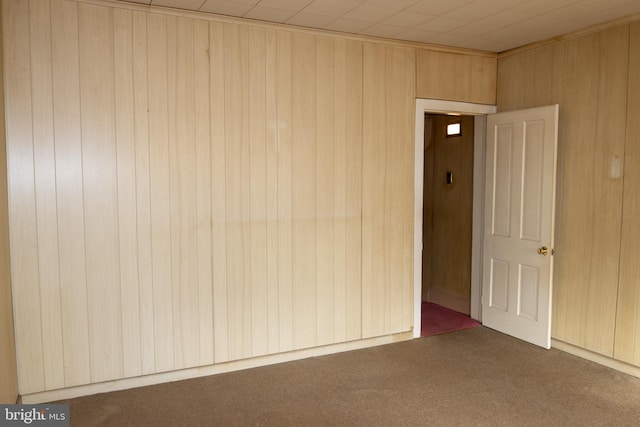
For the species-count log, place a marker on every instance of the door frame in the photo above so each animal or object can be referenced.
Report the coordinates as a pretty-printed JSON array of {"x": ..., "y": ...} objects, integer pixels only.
[{"x": 480, "y": 112}]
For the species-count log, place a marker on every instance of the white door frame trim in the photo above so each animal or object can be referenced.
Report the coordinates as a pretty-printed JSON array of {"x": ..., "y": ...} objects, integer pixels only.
[{"x": 449, "y": 107}]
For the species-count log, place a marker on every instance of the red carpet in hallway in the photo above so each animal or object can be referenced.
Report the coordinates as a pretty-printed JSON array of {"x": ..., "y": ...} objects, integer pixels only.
[{"x": 439, "y": 320}]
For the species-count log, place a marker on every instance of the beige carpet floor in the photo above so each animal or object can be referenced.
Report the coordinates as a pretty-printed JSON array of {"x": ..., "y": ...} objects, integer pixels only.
[{"x": 475, "y": 377}]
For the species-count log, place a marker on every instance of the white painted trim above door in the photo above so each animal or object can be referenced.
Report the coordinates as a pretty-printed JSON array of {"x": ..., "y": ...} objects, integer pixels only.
[{"x": 449, "y": 107}]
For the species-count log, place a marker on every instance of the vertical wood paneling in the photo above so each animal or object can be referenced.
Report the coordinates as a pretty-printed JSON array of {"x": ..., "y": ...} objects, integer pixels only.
[
  {"x": 406, "y": 99},
  {"x": 627, "y": 337},
  {"x": 325, "y": 72},
  {"x": 99, "y": 173},
  {"x": 186, "y": 192},
  {"x": 391, "y": 237},
  {"x": 238, "y": 190},
  {"x": 182, "y": 172},
  {"x": 258, "y": 191},
  {"x": 393, "y": 198},
  {"x": 218, "y": 189},
  {"x": 127, "y": 215},
  {"x": 347, "y": 192},
  {"x": 304, "y": 190},
  {"x": 22, "y": 203},
  {"x": 271, "y": 112},
  {"x": 373, "y": 193},
  {"x": 455, "y": 76},
  {"x": 387, "y": 191},
  {"x": 483, "y": 80},
  {"x": 399, "y": 188},
  {"x": 203, "y": 191},
  {"x": 160, "y": 196},
  {"x": 8, "y": 366},
  {"x": 69, "y": 192},
  {"x": 285, "y": 228},
  {"x": 339, "y": 190},
  {"x": 45, "y": 178},
  {"x": 609, "y": 143},
  {"x": 577, "y": 125},
  {"x": 592, "y": 72},
  {"x": 143, "y": 192},
  {"x": 192, "y": 192},
  {"x": 534, "y": 66},
  {"x": 354, "y": 189}
]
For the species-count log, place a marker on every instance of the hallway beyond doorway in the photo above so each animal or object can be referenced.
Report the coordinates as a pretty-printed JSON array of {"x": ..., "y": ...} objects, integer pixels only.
[{"x": 441, "y": 320}]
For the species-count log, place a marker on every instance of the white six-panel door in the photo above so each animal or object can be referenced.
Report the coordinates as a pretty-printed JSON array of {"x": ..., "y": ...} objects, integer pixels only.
[{"x": 518, "y": 223}]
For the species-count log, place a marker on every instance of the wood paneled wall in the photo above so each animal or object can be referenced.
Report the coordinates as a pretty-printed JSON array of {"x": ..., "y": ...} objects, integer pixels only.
[
  {"x": 627, "y": 337},
  {"x": 456, "y": 76},
  {"x": 592, "y": 77},
  {"x": 387, "y": 201},
  {"x": 8, "y": 368},
  {"x": 185, "y": 192}
]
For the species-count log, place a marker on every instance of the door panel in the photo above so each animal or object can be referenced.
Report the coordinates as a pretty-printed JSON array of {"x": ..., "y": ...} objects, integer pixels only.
[
  {"x": 499, "y": 285},
  {"x": 528, "y": 285},
  {"x": 519, "y": 212},
  {"x": 502, "y": 179},
  {"x": 532, "y": 182}
]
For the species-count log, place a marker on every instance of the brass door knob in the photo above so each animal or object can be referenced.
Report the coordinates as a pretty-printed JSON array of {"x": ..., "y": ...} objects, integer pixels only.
[{"x": 543, "y": 251}]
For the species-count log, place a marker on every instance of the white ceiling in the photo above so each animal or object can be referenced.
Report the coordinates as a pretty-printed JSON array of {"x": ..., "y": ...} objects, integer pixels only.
[{"x": 491, "y": 25}]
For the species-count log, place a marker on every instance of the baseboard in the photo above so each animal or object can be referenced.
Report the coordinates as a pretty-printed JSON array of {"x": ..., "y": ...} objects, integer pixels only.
[
  {"x": 597, "y": 358},
  {"x": 202, "y": 371},
  {"x": 445, "y": 299}
]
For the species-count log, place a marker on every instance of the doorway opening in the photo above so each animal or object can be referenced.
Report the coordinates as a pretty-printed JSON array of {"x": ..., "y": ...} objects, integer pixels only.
[
  {"x": 479, "y": 112},
  {"x": 447, "y": 223}
]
